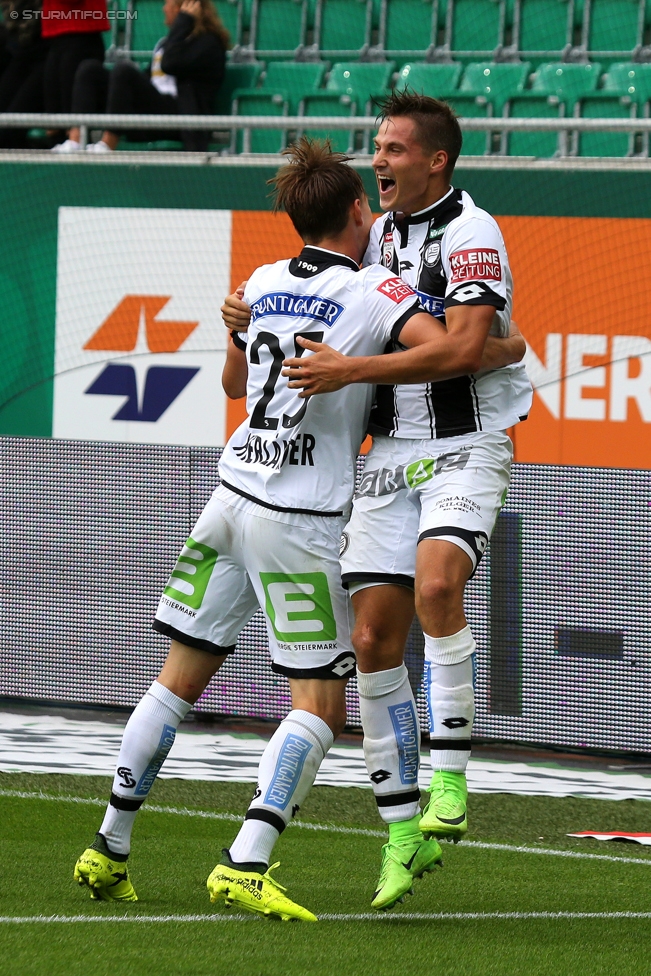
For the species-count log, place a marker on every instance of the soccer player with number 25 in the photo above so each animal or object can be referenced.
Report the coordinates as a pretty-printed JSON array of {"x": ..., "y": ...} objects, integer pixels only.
[{"x": 269, "y": 536}]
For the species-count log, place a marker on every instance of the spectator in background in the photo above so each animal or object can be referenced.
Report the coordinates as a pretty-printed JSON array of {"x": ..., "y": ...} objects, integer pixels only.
[
  {"x": 74, "y": 28},
  {"x": 186, "y": 71},
  {"x": 22, "y": 63}
]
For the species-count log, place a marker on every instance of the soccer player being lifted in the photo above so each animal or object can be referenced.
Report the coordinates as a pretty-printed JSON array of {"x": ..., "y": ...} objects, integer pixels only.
[
  {"x": 269, "y": 537},
  {"x": 435, "y": 479}
]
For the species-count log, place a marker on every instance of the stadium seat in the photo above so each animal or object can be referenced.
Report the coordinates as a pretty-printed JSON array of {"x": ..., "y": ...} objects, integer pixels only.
[
  {"x": 258, "y": 102},
  {"x": 407, "y": 26},
  {"x": 543, "y": 27},
  {"x": 230, "y": 12},
  {"x": 496, "y": 82},
  {"x": 605, "y": 106},
  {"x": 614, "y": 25},
  {"x": 334, "y": 104},
  {"x": 566, "y": 82},
  {"x": 437, "y": 80},
  {"x": 147, "y": 29},
  {"x": 471, "y": 107},
  {"x": 474, "y": 26},
  {"x": 360, "y": 81},
  {"x": 293, "y": 79},
  {"x": 238, "y": 75},
  {"x": 343, "y": 26},
  {"x": 540, "y": 144},
  {"x": 626, "y": 78},
  {"x": 278, "y": 27}
]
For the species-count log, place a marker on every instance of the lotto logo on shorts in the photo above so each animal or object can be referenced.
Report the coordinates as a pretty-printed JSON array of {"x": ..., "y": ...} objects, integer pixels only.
[
  {"x": 475, "y": 266},
  {"x": 299, "y": 606},
  {"x": 395, "y": 289},
  {"x": 191, "y": 575}
]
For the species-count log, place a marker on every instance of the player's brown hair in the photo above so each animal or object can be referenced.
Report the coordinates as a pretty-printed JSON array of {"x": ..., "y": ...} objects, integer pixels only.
[
  {"x": 437, "y": 125},
  {"x": 316, "y": 189}
]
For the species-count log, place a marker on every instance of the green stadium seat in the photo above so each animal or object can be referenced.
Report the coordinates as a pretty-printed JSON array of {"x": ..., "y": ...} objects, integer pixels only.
[
  {"x": 147, "y": 29},
  {"x": 238, "y": 76},
  {"x": 474, "y": 25},
  {"x": 566, "y": 82},
  {"x": 606, "y": 106},
  {"x": 408, "y": 26},
  {"x": 278, "y": 27},
  {"x": 471, "y": 107},
  {"x": 496, "y": 82},
  {"x": 629, "y": 79},
  {"x": 360, "y": 81},
  {"x": 230, "y": 12},
  {"x": 258, "y": 102},
  {"x": 295, "y": 79},
  {"x": 343, "y": 25},
  {"x": 437, "y": 80},
  {"x": 615, "y": 25},
  {"x": 334, "y": 104},
  {"x": 544, "y": 26},
  {"x": 531, "y": 105}
]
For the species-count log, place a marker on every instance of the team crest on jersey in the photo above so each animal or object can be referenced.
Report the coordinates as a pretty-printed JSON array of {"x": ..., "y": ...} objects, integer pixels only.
[
  {"x": 432, "y": 254},
  {"x": 395, "y": 289},
  {"x": 387, "y": 250}
]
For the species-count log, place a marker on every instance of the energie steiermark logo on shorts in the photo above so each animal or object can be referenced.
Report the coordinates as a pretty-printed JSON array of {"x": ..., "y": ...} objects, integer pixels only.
[
  {"x": 299, "y": 606},
  {"x": 191, "y": 575}
]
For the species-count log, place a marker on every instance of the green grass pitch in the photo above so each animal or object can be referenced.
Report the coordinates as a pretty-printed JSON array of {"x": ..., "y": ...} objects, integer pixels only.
[{"x": 332, "y": 873}]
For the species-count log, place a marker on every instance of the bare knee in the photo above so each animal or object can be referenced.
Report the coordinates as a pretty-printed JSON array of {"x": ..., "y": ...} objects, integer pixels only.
[{"x": 437, "y": 592}]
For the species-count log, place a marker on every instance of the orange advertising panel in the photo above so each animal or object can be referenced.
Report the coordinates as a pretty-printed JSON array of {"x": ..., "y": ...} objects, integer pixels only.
[
  {"x": 582, "y": 300},
  {"x": 257, "y": 237}
]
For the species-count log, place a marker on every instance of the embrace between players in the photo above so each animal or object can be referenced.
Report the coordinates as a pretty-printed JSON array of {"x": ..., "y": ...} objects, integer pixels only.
[{"x": 325, "y": 352}]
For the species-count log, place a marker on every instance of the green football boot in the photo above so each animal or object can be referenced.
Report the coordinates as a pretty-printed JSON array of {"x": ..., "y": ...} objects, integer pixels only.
[
  {"x": 445, "y": 813},
  {"x": 105, "y": 875},
  {"x": 401, "y": 863},
  {"x": 254, "y": 892}
]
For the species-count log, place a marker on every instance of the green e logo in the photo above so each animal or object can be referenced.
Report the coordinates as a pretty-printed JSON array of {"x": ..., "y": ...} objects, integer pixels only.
[
  {"x": 190, "y": 576},
  {"x": 299, "y": 606}
]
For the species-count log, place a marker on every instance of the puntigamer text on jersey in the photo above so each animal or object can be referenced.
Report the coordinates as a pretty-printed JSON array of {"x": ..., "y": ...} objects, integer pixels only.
[{"x": 297, "y": 306}]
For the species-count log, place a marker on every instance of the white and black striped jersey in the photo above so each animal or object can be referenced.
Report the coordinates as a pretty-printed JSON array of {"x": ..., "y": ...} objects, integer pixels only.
[
  {"x": 299, "y": 455},
  {"x": 451, "y": 254}
]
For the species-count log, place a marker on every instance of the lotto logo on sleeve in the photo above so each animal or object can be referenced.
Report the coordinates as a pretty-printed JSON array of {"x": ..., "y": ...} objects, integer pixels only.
[
  {"x": 475, "y": 266},
  {"x": 395, "y": 289}
]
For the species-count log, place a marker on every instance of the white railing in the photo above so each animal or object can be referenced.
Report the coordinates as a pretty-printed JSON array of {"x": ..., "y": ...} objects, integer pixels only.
[{"x": 43, "y": 120}]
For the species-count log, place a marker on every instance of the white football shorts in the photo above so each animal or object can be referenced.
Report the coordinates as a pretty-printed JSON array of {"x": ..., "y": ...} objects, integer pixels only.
[
  {"x": 451, "y": 489},
  {"x": 242, "y": 556}
]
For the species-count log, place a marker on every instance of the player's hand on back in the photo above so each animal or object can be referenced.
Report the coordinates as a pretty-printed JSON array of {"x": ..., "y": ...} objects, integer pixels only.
[
  {"x": 235, "y": 312},
  {"x": 322, "y": 372}
]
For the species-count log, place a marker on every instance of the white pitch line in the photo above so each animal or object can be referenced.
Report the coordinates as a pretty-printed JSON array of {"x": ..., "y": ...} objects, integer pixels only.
[
  {"x": 332, "y": 828},
  {"x": 362, "y": 917}
]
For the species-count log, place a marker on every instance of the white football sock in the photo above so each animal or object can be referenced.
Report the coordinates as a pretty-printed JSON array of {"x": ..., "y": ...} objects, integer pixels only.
[
  {"x": 391, "y": 741},
  {"x": 450, "y": 699},
  {"x": 147, "y": 739},
  {"x": 287, "y": 770}
]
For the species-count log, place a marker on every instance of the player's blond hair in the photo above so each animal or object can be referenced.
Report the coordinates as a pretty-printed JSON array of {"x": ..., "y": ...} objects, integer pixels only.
[{"x": 316, "y": 189}]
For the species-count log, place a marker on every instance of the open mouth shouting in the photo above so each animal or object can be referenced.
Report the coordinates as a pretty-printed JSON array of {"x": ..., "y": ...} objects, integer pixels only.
[{"x": 386, "y": 185}]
